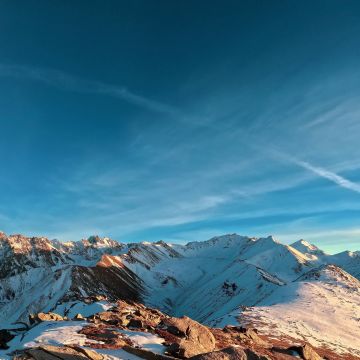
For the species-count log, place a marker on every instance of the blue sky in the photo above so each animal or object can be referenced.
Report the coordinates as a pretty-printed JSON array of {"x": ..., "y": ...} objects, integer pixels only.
[{"x": 148, "y": 120}]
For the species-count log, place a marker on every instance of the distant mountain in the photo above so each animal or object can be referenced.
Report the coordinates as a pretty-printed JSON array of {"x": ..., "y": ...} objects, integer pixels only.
[{"x": 220, "y": 281}]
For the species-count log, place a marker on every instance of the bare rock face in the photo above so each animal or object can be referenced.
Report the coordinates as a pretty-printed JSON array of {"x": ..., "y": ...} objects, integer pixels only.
[{"x": 194, "y": 338}]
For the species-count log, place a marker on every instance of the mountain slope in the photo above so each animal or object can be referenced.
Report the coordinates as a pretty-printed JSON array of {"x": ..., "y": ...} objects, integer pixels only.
[{"x": 322, "y": 306}]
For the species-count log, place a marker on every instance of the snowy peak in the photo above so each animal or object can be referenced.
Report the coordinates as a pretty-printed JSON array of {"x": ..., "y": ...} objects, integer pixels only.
[
  {"x": 304, "y": 246},
  {"x": 307, "y": 248}
]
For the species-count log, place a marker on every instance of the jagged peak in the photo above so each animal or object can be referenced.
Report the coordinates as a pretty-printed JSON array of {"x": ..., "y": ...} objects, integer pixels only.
[
  {"x": 101, "y": 242},
  {"x": 304, "y": 244}
]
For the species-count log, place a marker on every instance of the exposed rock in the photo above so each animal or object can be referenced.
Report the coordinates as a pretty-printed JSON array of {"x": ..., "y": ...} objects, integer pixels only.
[
  {"x": 5, "y": 337},
  {"x": 48, "y": 317},
  {"x": 39, "y": 354},
  {"x": 194, "y": 338},
  {"x": 230, "y": 353},
  {"x": 107, "y": 317},
  {"x": 92, "y": 355},
  {"x": 79, "y": 317},
  {"x": 246, "y": 334},
  {"x": 107, "y": 337},
  {"x": 146, "y": 354},
  {"x": 63, "y": 352},
  {"x": 135, "y": 323},
  {"x": 306, "y": 352}
]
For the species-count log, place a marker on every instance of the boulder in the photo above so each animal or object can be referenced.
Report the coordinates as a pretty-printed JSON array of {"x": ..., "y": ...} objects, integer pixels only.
[
  {"x": 194, "y": 338},
  {"x": 48, "y": 317},
  {"x": 79, "y": 317},
  {"x": 306, "y": 352},
  {"x": 109, "y": 317}
]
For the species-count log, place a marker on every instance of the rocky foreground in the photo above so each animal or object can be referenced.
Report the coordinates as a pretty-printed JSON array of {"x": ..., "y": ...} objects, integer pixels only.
[{"x": 130, "y": 330}]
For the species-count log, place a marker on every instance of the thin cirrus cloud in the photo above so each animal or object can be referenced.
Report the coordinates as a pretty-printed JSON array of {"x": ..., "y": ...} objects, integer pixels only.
[
  {"x": 320, "y": 171},
  {"x": 326, "y": 174},
  {"x": 65, "y": 81}
]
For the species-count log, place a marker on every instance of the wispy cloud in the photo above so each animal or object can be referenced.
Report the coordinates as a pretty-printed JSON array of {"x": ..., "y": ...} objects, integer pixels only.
[
  {"x": 327, "y": 174},
  {"x": 68, "y": 82}
]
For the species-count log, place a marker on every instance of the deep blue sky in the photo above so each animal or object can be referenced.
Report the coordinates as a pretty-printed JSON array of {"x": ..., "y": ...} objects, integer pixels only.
[{"x": 181, "y": 120}]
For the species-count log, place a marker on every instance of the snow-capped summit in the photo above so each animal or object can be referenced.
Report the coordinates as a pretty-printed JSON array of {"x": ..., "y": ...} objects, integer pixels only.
[{"x": 304, "y": 246}]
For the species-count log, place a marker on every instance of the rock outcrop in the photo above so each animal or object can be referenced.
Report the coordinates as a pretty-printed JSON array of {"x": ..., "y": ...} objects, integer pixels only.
[{"x": 194, "y": 338}]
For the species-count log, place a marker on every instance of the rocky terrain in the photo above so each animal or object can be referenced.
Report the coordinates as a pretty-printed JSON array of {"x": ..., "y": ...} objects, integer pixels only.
[
  {"x": 231, "y": 297},
  {"x": 130, "y": 330}
]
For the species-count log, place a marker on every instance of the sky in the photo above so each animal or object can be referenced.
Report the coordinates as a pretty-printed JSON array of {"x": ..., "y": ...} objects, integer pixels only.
[{"x": 181, "y": 120}]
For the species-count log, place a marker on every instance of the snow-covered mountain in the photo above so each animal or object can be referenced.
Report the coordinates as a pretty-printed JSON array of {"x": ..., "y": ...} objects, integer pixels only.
[{"x": 223, "y": 280}]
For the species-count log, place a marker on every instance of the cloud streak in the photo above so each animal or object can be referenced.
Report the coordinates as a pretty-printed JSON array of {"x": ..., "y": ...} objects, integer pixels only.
[
  {"x": 326, "y": 174},
  {"x": 67, "y": 82}
]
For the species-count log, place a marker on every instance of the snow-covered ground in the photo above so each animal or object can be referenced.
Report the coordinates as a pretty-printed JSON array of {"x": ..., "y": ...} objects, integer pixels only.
[
  {"x": 145, "y": 340},
  {"x": 47, "y": 333},
  {"x": 67, "y": 333},
  {"x": 322, "y": 309},
  {"x": 72, "y": 308}
]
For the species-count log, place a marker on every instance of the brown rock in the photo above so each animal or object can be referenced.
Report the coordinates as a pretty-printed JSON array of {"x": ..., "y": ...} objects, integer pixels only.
[
  {"x": 230, "y": 353},
  {"x": 194, "y": 338},
  {"x": 107, "y": 317},
  {"x": 306, "y": 352},
  {"x": 246, "y": 335},
  {"x": 252, "y": 355},
  {"x": 49, "y": 352},
  {"x": 90, "y": 354},
  {"x": 48, "y": 317},
  {"x": 124, "y": 321},
  {"x": 146, "y": 354},
  {"x": 39, "y": 354},
  {"x": 79, "y": 317}
]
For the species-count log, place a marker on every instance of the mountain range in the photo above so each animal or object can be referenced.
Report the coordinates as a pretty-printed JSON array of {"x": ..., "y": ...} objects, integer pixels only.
[{"x": 292, "y": 291}]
